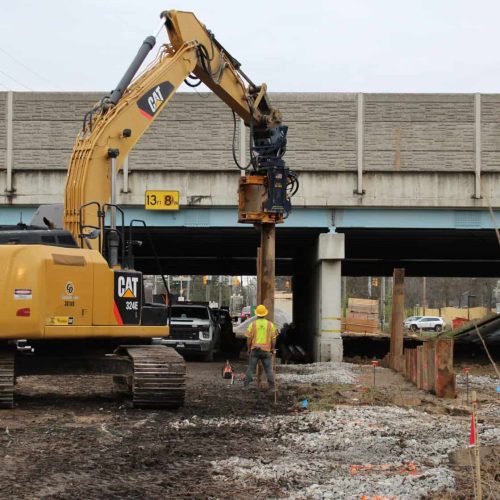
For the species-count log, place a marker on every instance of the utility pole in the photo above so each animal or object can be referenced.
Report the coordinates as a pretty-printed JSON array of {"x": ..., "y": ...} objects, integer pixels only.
[
  {"x": 382, "y": 301},
  {"x": 468, "y": 305},
  {"x": 398, "y": 304},
  {"x": 424, "y": 293}
]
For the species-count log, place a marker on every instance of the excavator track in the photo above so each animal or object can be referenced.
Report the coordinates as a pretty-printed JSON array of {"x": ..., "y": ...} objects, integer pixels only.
[
  {"x": 7, "y": 379},
  {"x": 159, "y": 376}
]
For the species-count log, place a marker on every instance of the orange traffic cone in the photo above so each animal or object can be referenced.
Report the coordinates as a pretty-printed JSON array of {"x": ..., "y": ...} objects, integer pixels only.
[{"x": 227, "y": 371}]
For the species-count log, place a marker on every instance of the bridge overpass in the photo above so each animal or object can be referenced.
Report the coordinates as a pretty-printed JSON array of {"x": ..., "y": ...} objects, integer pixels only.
[{"x": 405, "y": 179}]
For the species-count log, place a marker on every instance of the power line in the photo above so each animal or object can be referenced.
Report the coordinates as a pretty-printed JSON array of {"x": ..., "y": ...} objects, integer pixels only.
[
  {"x": 29, "y": 69},
  {"x": 14, "y": 80}
]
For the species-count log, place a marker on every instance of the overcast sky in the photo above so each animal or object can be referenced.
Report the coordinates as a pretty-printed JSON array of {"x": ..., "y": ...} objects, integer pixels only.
[{"x": 297, "y": 46}]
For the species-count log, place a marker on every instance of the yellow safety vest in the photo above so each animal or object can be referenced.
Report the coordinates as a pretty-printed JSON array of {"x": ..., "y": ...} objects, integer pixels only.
[{"x": 261, "y": 334}]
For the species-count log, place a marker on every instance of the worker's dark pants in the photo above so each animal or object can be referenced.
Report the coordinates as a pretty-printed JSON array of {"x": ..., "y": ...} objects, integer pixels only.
[{"x": 267, "y": 362}]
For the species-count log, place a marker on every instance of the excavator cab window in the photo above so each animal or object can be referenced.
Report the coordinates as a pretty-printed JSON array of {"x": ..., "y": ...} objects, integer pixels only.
[{"x": 29, "y": 236}]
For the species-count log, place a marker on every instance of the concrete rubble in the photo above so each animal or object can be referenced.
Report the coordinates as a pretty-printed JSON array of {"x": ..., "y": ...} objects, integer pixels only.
[
  {"x": 355, "y": 451},
  {"x": 478, "y": 381},
  {"x": 352, "y": 451},
  {"x": 483, "y": 384}
]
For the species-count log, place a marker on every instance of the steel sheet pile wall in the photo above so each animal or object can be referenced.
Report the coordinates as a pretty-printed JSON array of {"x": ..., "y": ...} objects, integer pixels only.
[{"x": 430, "y": 367}]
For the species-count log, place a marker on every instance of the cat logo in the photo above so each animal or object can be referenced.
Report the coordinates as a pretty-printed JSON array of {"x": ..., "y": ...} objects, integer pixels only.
[
  {"x": 154, "y": 98},
  {"x": 127, "y": 287}
]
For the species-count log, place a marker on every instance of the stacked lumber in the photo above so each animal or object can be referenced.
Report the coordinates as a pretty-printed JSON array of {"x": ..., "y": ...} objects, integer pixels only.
[{"x": 362, "y": 316}]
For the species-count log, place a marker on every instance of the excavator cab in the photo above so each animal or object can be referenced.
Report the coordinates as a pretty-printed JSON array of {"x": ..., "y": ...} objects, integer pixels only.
[{"x": 118, "y": 250}]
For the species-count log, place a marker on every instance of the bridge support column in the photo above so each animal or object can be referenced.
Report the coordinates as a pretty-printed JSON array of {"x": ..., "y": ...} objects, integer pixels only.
[{"x": 328, "y": 284}]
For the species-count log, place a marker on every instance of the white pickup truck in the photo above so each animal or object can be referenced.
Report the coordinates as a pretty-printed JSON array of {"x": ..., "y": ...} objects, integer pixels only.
[{"x": 193, "y": 330}]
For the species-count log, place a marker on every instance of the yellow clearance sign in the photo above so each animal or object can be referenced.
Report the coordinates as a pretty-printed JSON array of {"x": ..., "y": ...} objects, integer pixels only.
[{"x": 162, "y": 200}]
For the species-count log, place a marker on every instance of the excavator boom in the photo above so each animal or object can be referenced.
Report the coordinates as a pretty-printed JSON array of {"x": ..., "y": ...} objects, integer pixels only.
[{"x": 113, "y": 127}]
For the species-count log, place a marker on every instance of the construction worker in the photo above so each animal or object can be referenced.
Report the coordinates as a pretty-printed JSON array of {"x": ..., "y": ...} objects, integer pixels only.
[{"x": 261, "y": 340}]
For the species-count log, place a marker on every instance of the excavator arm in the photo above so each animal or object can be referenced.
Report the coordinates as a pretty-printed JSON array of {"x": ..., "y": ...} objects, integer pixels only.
[
  {"x": 113, "y": 127},
  {"x": 221, "y": 72}
]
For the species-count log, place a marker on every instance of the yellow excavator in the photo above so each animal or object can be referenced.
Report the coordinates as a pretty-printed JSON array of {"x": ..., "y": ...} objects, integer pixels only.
[{"x": 72, "y": 293}]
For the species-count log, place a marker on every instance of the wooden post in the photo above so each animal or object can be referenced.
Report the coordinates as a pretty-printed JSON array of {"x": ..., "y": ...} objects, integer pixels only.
[
  {"x": 477, "y": 456},
  {"x": 398, "y": 304},
  {"x": 259, "y": 274},
  {"x": 444, "y": 376},
  {"x": 420, "y": 367},
  {"x": 425, "y": 363},
  {"x": 267, "y": 267},
  {"x": 259, "y": 375},
  {"x": 266, "y": 255},
  {"x": 414, "y": 366},
  {"x": 274, "y": 375},
  {"x": 431, "y": 365}
]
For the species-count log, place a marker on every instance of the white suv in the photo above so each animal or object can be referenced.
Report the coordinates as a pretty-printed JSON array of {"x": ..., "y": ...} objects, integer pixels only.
[
  {"x": 408, "y": 321},
  {"x": 428, "y": 323}
]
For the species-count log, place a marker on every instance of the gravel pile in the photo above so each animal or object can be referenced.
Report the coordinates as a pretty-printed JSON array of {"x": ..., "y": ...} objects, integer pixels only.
[{"x": 319, "y": 373}]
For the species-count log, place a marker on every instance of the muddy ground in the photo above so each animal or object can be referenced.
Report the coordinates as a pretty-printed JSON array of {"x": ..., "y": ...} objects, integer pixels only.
[{"x": 70, "y": 438}]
